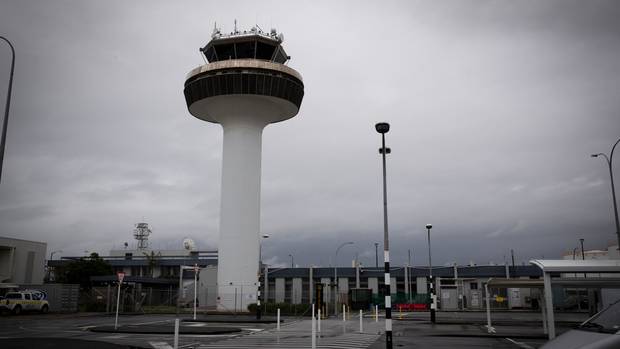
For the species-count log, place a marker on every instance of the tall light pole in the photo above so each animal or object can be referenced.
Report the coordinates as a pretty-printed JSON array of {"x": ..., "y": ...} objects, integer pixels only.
[
  {"x": 430, "y": 274},
  {"x": 574, "y": 252},
  {"x": 260, "y": 268},
  {"x": 336, "y": 275},
  {"x": 49, "y": 269},
  {"x": 5, "y": 123},
  {"x": 52, "y": 254},
  {"x": 610, "y": 160},
  {"x": 583, "y": 256},
  {"x": 383, "y": 128},
  {"x": 292, "y": 261}
]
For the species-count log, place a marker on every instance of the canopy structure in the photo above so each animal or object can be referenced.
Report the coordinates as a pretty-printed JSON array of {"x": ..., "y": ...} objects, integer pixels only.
[
  {"x": 569, "y": 273},
  {"x": 577, "y": 266},
  {"x": 597, "y": 273}
]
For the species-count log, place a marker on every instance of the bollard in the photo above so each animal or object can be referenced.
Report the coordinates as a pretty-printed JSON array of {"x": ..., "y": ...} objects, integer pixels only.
[
  {"x": 278, "y": 317},
  {"x": 319, "y": 321},
  {"x": 361, "y": 325},
  {"x": 376, "y": 313},
  {"x": 313, "y": 329},
  {"x": 344, "y": 313},
  {"x": 176, "y": 333}
]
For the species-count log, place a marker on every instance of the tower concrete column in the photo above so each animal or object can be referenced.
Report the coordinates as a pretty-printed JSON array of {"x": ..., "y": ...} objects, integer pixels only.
[{"x": 240, "y": 211}]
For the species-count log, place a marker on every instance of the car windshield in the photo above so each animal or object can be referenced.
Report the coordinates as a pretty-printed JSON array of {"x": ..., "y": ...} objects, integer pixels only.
[
  {"x": 13, "y": 296},
  {"x": 608, "y": 320}
]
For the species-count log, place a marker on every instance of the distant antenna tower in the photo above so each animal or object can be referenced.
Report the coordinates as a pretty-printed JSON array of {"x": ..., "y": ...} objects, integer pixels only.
[{"x": 141, "y": 233}]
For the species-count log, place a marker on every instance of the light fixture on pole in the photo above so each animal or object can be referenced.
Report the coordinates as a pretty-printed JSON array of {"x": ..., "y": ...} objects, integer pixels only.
[
  {"x": 610, "y": 160},
  {"x": 383, "y": 128},
  {"x": 336, "y": 275},
  {"x": 5, "y": 122},
  {"x": 430, "y": 274}
]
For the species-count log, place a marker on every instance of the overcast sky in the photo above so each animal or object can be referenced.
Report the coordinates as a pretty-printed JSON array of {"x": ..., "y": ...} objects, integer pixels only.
[{"x": 495, "y": 107}]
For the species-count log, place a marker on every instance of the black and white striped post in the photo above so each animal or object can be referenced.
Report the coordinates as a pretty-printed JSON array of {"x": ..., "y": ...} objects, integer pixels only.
[
  {"x": 383, "y": 128},
  {"x": 433, "y": 304}
]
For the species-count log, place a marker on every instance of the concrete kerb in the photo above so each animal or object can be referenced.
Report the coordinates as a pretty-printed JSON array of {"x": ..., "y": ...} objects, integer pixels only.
[
  {"x": 50, "y": 343},
  {"x": 166, "y": 329},
  {"x": 233, "y": 319}
]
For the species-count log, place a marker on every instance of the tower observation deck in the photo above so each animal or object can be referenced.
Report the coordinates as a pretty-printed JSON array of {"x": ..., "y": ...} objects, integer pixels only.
[{"x": 244, "y": 87}]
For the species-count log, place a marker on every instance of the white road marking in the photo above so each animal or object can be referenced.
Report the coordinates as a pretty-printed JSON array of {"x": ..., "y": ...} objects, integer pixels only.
[
  {"x": 115, "y": 336},
  {"x": 160, "y": 345},
  {"x": 150, "y": 322},
  {"x": 520, "y": 344}
]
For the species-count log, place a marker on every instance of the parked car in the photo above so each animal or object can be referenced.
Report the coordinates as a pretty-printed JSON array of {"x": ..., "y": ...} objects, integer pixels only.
[
  {"x": 601, "y": 331},
  {"x": 26, "y": 300}
]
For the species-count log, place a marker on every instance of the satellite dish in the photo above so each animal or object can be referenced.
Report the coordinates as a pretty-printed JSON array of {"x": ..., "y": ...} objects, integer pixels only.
[{"x": 189, "y": 244}]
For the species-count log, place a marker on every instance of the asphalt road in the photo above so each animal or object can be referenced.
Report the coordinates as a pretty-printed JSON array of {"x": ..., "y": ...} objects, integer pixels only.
[
  {"x": 76, "y": 327},
  {"x": 453, "y": 330}
]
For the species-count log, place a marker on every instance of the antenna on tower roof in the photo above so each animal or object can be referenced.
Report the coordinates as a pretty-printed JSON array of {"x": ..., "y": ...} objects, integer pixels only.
[
  {"x": 141, "y": 233},
  {"x": 216, "y": 31}
]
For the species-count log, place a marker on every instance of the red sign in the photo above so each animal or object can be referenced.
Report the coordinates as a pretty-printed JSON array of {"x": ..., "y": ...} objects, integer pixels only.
[{"x": 121, "y": 276}]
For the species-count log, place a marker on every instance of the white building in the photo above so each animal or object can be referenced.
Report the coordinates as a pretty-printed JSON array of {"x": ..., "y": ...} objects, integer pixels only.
[{"x": 22, "y": 261}]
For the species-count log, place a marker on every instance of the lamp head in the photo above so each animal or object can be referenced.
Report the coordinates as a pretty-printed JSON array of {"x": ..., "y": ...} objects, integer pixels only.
[
  {"x": 265, "y": 236},
  {"x": 382, "y": 127},
  {"x": 429, "y": 226},
  {"x": 594, "y": 155}
]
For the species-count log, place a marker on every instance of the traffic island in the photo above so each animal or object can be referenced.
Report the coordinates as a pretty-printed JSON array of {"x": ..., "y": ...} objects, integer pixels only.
[
  {"x": 235, "y": 319},
  {"x": 167, "y": 328}
]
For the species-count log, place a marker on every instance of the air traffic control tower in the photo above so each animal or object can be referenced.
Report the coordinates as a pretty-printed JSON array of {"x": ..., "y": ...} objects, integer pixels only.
[{"x": 244, "y": 87}]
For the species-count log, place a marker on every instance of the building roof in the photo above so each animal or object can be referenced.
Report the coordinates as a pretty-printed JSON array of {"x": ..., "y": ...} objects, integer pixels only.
[{"x": 463, "y": 272}]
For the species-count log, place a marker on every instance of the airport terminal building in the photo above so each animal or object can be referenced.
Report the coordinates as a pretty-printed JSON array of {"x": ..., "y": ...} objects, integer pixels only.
[{"x": 158, "y": 274}]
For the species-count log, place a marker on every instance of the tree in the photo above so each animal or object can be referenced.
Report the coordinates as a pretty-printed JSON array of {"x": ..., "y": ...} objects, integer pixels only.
[
  {"x": 80, "y": 271},
  {"x": 152, "y": 261}
]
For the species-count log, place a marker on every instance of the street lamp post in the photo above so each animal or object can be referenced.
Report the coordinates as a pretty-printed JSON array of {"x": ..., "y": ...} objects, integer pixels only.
[
  {"x": 292, "y": 261},
  {"x": 8, "y": 105},
  {"x": 383, "y": 128},
  {"x": 376, "y": 254},
  {"x": 575, "y": 252},
  {"x": 336, "y": 275},
  {"x": 583, "y": 256},
  {"x": 49, "y": 269},
  {"x": 430, "y": 274},
  {"x": 260, "y": 268},
  {"x": 613, "y": 189},
  {"x": 52, "y": 254}
]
